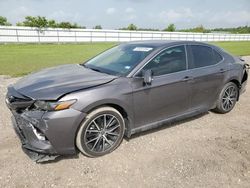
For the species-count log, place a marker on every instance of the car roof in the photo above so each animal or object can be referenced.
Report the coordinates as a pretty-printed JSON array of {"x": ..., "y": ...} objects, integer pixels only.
[{"x": 164, "y": 43}]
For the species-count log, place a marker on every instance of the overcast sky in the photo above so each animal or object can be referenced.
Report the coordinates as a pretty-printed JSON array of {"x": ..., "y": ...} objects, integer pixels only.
[{"x": 112, "y": 14}]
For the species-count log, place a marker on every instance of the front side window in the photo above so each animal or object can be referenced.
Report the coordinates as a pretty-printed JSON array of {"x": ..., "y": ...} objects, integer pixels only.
[
  {"x": 169, "y": 61},
  {"x": 202, "y": 56},
  {"x": 119, "y": 60}
]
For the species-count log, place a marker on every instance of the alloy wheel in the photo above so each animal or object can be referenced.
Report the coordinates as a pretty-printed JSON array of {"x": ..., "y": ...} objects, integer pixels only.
[
  {"x": 229, "y": 98},
  {"x": 102, "y": 133}
]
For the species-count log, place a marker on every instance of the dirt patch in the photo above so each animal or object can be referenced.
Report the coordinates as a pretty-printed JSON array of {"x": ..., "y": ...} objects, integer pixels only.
[{"x": 210, "y": 150}]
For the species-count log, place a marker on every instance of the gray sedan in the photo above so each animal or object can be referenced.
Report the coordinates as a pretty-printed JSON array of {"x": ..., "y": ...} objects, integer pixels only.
[{"x": 127, "y": 89}]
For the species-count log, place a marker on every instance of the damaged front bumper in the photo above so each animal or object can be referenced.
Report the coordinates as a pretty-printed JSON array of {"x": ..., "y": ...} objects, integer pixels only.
[
  {"x": 47, "y": 135},
  {"x": 44, "y": 135},
  {"x": 33, "y": 144}
]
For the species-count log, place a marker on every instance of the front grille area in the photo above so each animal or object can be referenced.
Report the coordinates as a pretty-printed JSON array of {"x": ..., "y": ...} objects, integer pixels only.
[{"x": 17, "y": 102}]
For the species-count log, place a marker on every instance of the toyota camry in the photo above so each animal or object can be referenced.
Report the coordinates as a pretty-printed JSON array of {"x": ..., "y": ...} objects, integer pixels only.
[{"x": 127, "y": 89}]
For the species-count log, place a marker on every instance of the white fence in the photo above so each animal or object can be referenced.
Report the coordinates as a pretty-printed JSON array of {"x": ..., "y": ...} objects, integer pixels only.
[{"x": 12, "y": 34}]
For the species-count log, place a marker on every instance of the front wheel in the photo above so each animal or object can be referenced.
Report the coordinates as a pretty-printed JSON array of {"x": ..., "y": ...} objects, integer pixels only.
[
  {"x": 227, "y": 99},
  {"x": 101, "y": 132}
]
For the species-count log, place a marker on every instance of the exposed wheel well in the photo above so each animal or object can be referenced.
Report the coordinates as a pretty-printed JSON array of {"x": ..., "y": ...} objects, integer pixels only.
[
  {"x": 245, "y": 76},
  {"x": 236, "y": 82}
]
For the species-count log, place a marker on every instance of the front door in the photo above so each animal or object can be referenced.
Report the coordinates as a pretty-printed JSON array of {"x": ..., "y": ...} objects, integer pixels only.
[{"x": 169, "y": 93}]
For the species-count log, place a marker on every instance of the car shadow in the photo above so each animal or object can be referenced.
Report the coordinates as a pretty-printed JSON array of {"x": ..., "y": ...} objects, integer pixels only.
[
  {"x": 154, "y": 130},
  {"x": 61, "y": 158},
  {"x": 166, "y": 126}
]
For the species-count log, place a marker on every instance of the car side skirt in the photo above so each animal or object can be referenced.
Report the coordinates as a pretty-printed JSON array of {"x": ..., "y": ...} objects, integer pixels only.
[{"x": 168, "y": 120}]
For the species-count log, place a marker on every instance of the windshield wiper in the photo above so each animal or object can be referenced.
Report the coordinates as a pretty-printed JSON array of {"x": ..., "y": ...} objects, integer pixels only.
[
  {"x": 94, "y": 69},
  {"x": 83, "y": 65}
]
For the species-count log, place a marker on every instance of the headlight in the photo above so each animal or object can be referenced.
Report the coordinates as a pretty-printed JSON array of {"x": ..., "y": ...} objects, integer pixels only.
[{"x": 53, "y": 106}]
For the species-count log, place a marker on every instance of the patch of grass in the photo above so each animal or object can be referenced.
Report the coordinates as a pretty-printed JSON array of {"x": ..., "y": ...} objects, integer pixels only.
[
  {"x": 21, "y": 59},
  {"x": 238, "y": 48}
]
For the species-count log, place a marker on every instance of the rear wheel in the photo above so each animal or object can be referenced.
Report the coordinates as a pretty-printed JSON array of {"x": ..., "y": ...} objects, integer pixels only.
[
  {"x": 227, "y": 99},
  {"x": 101, "y": 132}
]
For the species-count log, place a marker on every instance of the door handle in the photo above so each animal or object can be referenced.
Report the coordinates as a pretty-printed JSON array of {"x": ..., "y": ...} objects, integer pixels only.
[
  {"x": 187, "y": 78},
  {"x": 222, "y": 70}
]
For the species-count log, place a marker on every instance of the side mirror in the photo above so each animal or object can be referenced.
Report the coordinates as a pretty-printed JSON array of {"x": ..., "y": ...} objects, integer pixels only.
[{"x": 148, "y": 77}]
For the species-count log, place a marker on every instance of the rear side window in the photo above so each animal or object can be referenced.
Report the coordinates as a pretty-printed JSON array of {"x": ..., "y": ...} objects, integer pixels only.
[
  {"x": 217, "y": 57},
  {"x": 202, "y": 56}
]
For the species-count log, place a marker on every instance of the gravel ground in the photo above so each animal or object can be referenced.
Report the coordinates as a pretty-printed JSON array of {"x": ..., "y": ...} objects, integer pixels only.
[{"x": 210, "y": 150}]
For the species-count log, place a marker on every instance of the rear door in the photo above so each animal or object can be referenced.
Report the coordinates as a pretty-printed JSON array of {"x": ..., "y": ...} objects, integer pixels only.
[{"x": 208, "y": 71}]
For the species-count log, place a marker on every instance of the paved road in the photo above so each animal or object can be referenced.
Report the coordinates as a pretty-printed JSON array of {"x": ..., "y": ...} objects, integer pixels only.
[{"x": 210, "y": 150}]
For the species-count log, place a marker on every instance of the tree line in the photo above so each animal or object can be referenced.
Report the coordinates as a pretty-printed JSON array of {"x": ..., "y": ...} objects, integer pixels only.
[{"x": 43, "y": 22}]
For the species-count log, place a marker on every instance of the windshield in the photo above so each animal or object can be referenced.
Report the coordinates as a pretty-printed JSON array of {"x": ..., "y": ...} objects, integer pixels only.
[{"x": 119, "y": 60}]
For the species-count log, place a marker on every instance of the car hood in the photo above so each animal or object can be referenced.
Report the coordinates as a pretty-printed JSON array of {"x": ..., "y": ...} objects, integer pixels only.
[{"x": 52, "y": 83}]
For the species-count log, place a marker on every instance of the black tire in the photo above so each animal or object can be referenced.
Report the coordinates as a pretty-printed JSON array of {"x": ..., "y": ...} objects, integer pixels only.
[
  {"x": 96, "y": 136},
  {"x": 227, "y": 100}
]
